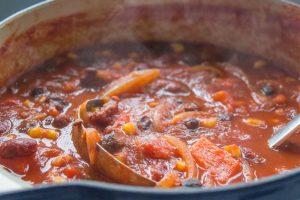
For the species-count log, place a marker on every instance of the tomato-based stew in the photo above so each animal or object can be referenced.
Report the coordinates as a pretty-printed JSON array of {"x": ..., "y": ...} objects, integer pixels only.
[{"x": 179, "y": 114}]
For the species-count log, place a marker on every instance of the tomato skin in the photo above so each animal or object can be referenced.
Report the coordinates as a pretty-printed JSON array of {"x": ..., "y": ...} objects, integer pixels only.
[{"x": 157, "y": 148}]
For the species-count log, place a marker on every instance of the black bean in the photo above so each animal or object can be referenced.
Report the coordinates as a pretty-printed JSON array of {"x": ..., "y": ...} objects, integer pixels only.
[
  {"x": 190, "y": 59},
  {"x": 144, "y": 123},
  {"x": 252, "y": 156},
  {"x": 191, "y": 182},
  {"x": 48, "y": 120},
  {"x": 267, "y": 90},
  {"x": 61, "y": 121},
  {"x": 225, "y": 117},
  {"x": 179, "y": 101},
  {"x": 37, "y": 92},
  {"x": 192, "y": 123},
  {"x": 57, "y": 102},
  {"x": 95, "y": 103},
  {"x": 26, "y": 125},
  {"x": 111, "y": 142}
]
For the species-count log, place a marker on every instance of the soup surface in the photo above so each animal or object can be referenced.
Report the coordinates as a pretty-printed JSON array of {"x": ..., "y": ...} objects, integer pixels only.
[{"x": 201, "y": 117}]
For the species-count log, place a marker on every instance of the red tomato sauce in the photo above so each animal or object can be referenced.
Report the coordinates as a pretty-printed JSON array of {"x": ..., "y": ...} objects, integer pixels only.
[{"x": 221, "y": 106}]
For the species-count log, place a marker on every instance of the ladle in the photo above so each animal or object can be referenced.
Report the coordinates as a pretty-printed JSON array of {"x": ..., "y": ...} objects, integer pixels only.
[
  {"x": 105, "y": 162},
  {"x": 285, "y": 132},
  {"x": 102, "y": 160}
]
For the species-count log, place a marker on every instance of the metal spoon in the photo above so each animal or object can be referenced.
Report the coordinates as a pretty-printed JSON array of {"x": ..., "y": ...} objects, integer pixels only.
[
  {"x": 284, "y": 133},
  {"x": 105, "y": 162}
]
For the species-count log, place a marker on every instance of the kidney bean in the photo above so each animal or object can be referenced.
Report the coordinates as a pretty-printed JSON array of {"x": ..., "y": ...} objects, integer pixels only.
[
  {"x": 18, "y": 148},
  {"x": 144, "y": 123},
  {"x": 192, "y": 123},
  {"x": 61, "y": 121},
  {"x": 267, "y": 90},
  {"x": 37, "y": 92}
]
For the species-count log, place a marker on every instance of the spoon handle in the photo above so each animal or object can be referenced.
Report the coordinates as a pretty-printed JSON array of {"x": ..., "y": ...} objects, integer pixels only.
[{"x": 284, "y": 133}]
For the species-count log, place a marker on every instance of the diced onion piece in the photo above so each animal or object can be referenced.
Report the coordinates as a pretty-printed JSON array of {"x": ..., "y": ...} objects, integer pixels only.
[
  {"x": 83, "y": 112},
  {"x": 184, "y": 154},
  {"x": 92, "y": 138},
  {"x": 131, "y": 82},
  {"x": 199, "y": 68},
  {"x": 159, "y": 117},
  {"x": 248, "y": 173},
  {"x": 181, "y": 116}
]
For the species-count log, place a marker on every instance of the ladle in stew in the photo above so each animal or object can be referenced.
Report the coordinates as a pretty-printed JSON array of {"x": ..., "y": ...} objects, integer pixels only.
[
  {"x": 285, "y": 132},
  {"x": 103, "y": 161},
  {"x": 90, "y": 148}
]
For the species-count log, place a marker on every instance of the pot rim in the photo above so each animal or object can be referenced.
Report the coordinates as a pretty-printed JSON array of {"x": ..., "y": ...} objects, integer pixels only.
[{"x": 152, "y": 190}]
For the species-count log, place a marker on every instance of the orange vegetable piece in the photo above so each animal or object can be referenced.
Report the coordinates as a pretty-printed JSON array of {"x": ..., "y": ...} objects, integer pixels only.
[
  {"x": 92, "y": 138},
  {"x": 49, "y": 153},
  {"x": 217, "y": 161},
  {"x": 184, "y": 115},
  {"x": 221, "y": 96},
  {"x": 53, "y": 112},
  {"x": 280, "y": 99},
  {"x": 62, "y": 160},
  {"x": 71, "y": 172},
  {"x": 132, "y": 81},
  {"x": 234, "y": 150},
  {"x": 209, "y": 122}
]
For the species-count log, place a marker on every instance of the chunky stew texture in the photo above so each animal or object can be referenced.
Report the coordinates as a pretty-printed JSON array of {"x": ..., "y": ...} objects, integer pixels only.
[{"x": 179, "y": 114}]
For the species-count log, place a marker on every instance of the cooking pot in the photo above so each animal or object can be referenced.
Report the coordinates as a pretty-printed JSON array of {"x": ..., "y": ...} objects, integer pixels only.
[{"x": 267, "y": 28}]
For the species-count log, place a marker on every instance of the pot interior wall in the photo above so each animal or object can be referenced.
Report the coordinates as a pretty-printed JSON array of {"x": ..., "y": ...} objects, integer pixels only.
[{"x": 268, "y": 28}]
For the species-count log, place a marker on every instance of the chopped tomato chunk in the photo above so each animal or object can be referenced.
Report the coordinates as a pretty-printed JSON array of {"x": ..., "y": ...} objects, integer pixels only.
[
  {"x": 219, "y": 162},
  {"x": 157, "y": 148}
]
